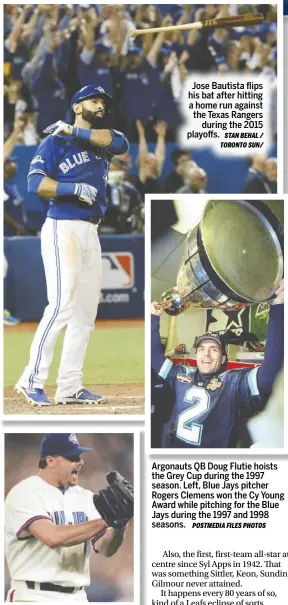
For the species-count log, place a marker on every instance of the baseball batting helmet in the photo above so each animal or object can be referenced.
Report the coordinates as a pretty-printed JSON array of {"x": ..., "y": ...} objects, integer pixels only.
[{"x": 88, "y": 92}]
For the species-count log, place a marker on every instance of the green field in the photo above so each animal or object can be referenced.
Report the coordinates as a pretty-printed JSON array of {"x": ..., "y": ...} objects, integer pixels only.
[{"x": 115, "y": 355}]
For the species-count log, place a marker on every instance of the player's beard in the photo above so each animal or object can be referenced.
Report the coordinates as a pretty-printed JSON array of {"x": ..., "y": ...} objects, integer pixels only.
[{"x": 95, "y": 121}]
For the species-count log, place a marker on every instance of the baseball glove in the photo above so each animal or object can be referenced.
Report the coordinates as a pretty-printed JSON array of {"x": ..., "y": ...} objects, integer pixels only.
[{"x": 115, "y": 503}]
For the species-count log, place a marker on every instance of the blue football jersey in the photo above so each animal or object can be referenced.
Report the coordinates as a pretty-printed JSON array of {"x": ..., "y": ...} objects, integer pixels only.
[
  {"x": 209, "y": 413},
  {"x": 210, "y": 410},
  {"x": 67, "y": 160}
]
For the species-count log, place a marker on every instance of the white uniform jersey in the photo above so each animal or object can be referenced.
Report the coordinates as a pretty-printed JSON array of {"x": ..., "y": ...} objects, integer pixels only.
[{"x": 30, "y": 559}]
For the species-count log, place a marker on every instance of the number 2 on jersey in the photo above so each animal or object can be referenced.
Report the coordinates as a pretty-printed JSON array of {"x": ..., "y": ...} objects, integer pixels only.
[{"x": 187, "y": 429}]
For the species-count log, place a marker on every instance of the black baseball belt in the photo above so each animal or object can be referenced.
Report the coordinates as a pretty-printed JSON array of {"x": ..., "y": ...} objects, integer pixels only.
[
  {"x": 51, "y": 587},
  {"x": 92, "y": 219}
]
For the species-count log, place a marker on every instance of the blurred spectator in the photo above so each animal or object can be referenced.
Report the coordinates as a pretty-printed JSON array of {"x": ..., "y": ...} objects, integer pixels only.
[
  {"x": 175, "y": 179},
  {"x": 16, "y": 103},
  {"x": 30, "y": 136},
  {"x": 271, "y": 174},
  {"x": 233, "y": 55},
  {"x": 15, "y": 50},
  {"x": 144, "y": 94},
  {"x": 195, "y": 179},
  {"x": 125, "y": 206},
  {"x": 8, "y": 319},
  {"x": 49, "y": 90},
  {"x": 15, "y": 136},
  {"x": 170, "y": 74},
  {"x": 201, "y": 56},
  {"x": 256, "y": 181},
  {"x": 262, "y": 59},
  {"x": 174, "y": 74},
  {"x": 218, "y": 42},
  {"x": 114, "y": 28},
  {"x": 95, "y": 61},
  {"x": 150, "y": 164},
  {"x": 15, "y": 219},
  {"x": 138, "y": 84},
  {"x": 246, "y": 45}
]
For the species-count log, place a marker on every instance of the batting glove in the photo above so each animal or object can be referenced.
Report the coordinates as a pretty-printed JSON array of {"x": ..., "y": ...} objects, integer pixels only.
[
  {"x": 86, "y": 193},
  {"x": 59, "y": 127}
]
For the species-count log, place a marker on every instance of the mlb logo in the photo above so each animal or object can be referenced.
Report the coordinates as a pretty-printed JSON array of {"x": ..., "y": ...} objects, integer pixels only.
[{"x": 118, "y": 270}]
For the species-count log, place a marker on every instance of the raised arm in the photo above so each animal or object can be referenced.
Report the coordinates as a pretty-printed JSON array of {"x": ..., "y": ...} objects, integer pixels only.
[
  {"x": 44, "y": 77},
  {"x": 143, "y": 148},
  {"x": 112, "y": 140},
  {"x": 157, "y": 351},
  {"x": 152, "y": 56},
  {"x": 274, "y": 348},
  {"x": 30, "y": 26},
  {"x": 177, "y": 36},
  {"x": 10, "y": 143},
  {"x": 88, "y": 51},
  {"x": 160, "y": 149},
  {"x": 14, "y": 36}
]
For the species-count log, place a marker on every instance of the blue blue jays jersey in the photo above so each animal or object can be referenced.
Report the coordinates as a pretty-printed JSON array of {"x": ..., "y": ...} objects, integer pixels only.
[
  {"x": 68, "y": 160},
  {"x": 209, "y": 413}
]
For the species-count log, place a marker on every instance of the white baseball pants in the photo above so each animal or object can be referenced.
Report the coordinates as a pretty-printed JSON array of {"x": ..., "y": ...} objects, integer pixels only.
[{"x": 73, "y": 268}]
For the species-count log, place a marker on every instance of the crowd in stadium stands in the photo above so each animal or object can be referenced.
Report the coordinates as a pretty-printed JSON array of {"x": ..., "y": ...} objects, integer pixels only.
[{"x": 52, "y": 50}]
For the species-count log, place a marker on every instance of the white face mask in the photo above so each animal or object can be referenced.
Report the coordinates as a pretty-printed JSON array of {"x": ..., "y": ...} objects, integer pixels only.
[{"x": 116, "y": 177}]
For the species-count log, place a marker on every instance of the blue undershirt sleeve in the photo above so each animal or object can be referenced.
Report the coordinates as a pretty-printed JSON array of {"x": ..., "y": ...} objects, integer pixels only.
[
  {"x": 157, "y": 353},
  {"x": 43, "y": 163},
  {"x": 274, "y": 351},
  {"x": 34, "y": 181}
]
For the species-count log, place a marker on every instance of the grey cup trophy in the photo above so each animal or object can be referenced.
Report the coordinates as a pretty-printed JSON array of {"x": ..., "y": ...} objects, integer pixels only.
[{"x": 233, "y": 258}]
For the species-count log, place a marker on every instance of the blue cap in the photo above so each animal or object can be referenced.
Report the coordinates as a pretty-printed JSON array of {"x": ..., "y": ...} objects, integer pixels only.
[
  {"x": 165, "y": 51},
  {"x": 88, "y": 92},
  {"x": 136, "y": 50},
  {"x": 61, "y": 444},
  {"x": 211, "y": 336}
]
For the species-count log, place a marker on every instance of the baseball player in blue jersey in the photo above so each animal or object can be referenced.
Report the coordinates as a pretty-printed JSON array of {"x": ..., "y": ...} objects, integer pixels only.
[
  {"x": 70, "y": 169},
  {"x": 212, "y": 404}
]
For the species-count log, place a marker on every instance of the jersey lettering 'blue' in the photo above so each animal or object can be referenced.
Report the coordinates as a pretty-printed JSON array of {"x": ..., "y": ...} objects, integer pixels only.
[
  {"x": 78, "y": 517},
  {"x": 69, "y": 161},
  {"x": 76, "y": 160},
  {"x": 59, "y": 517}
]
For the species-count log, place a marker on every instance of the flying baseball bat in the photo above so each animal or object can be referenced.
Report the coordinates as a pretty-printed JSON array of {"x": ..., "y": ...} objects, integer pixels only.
[{"x": 239, "y": 21}]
